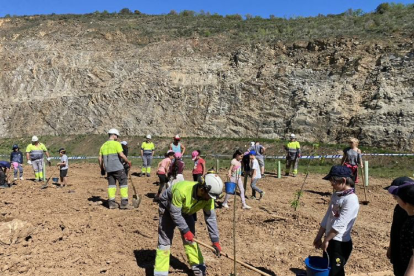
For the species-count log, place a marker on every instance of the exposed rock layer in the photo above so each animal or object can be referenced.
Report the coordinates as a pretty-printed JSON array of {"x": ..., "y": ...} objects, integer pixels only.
[{"x": 60, "y": 78}]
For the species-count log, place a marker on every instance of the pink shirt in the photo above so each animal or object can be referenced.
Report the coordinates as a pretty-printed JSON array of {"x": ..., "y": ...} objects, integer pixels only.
[{"x": 165, "y": 165}]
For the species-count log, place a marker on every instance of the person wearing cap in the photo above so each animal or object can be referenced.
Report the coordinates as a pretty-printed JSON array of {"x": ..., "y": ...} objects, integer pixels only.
[
  {"x": 34, "y": 156},
  {"x": 162, "y": 172},
  {"x": 177, "y": 146},
  {"x": 4, "y": 170},
  {"x": 176, "y": 208},
  {"x": 292, "y": 155},
  {"x": 256, "y": 175},
  {"x": 260, "y": 150},
  {"x": 404, "y": 194},
  {"x": 336, "y": 225},
  {"x": 63, "y": 166},
  {"x": 109, "y": 161},
  {"x": 147, "y": 153},
  {"x": 125, "y": 150},
  {"x": 398, "y": 219},
  {"x": 353, "y": 158},
  {"x": 16, "y": 158},
  {"x": 199, "y": 165}
]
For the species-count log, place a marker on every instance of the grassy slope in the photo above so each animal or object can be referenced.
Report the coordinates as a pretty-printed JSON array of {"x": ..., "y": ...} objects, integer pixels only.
[{"x": 88, "y": 145}]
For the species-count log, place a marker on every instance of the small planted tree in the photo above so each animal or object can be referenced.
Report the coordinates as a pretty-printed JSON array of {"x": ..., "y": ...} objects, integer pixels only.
[{"x": 298, "y": 194}]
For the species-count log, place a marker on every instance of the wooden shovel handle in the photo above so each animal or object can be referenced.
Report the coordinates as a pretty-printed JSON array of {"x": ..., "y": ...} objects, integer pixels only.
[{"x": 231, "y": 258}]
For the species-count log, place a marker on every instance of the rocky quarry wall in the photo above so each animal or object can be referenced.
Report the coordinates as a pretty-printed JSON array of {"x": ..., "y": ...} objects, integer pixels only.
[{"x": 59, "y": 79}]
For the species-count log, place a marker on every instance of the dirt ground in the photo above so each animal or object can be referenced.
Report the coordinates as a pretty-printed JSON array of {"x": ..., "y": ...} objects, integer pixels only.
[{"x": 77, "y": 235}]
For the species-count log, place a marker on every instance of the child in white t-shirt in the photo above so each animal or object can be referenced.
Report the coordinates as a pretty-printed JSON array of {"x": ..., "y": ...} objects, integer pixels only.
[{"x": 256, "y": 175}]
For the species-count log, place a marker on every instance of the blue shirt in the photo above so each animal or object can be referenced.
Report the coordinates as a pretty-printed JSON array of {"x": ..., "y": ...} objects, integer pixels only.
[{"x": 5, "y": 164}]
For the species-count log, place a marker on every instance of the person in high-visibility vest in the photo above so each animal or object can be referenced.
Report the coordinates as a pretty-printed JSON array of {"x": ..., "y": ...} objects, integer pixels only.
[
  {"x": 109, "y": 160},
  {"x": 34, "y": 156},
  {"x": 292, "y": 155},
  {"x": 147, "y": 153},
  {"x": 176, "y": 208}
]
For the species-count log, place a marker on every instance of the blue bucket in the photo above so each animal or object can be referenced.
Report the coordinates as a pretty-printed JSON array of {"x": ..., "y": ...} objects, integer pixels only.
[
  {"x": 55, "y": 179},
  {"x": 230, "y": 187},
  {"x": 317, "y": 266}
]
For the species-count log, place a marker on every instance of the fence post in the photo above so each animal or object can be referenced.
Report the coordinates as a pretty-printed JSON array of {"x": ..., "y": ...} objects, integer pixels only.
[
  {"x": 217, "y": 165},
  {"x": 366, "y": 173},
  {"x": 279, "y": 170}
]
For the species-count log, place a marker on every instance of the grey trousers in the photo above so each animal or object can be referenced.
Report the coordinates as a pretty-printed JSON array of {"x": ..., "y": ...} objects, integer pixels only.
[
  {"x": 146, "y": 160},
  {"x": 37, "y": 165},
  {"x": 16, "y": 170}
]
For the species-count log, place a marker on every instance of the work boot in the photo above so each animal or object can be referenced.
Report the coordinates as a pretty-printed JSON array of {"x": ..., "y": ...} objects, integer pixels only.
[
  {"x": 4, "y": 186},
  {"x": 294, "y": 175},
  {"x": 148, "y": 175},
  {"x": 112, "y": 204},
  {"x": 261, "y": 195},
  {"x": 199, "y": 270},
  {"x": 286, "y": 174},
  {"x": 125, "y": 205}
]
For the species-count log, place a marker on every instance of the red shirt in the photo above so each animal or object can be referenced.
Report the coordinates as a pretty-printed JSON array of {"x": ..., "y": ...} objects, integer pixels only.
[{"x": 199, "y": 166}]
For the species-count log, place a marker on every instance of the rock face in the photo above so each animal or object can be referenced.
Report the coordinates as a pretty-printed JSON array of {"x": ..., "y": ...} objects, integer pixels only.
[{"x": 59, "y": 79}]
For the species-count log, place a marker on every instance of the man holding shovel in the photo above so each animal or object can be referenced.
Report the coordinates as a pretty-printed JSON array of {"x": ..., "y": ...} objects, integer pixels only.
[
  {"x": 109, "y": 160},
  {"x": 176, "y": 208},
  {"x": 34, "y": 156}
]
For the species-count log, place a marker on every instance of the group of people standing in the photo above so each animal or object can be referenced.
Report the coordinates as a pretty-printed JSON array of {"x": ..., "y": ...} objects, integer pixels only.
[{"x": 35, "y": 153}]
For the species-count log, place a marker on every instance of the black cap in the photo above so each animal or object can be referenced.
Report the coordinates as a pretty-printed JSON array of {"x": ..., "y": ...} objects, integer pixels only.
[
  {"x": 338, "y": 171},
  {"x": 399, "y": 181},
  {"x": 61, "y": 150},
  {"x": 15, "y": 146}
]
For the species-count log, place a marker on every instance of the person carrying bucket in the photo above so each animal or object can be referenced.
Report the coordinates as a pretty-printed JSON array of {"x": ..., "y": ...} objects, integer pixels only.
[
  {"x": 352, "y": 158},
  {"x": 16, "y": 158},
  {"x": 34, "y": 155},
  {"x": 292, "y": 155},
  {"x": 147, "y": 154},
  {"x": 234, "y": 175},
  {"x": 177, "y": 146},
  {"x": 336, "y": 226}
]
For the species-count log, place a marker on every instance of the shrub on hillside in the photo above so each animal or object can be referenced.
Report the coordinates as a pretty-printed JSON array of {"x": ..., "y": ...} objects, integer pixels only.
[{"x": 125, "y": 11}]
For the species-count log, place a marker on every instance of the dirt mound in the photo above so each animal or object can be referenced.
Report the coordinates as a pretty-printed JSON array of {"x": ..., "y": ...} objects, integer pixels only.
[{"x": 77, "y": 235}]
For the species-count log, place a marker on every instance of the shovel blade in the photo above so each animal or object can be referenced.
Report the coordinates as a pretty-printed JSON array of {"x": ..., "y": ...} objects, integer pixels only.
[{"x": 136, "y": 201}]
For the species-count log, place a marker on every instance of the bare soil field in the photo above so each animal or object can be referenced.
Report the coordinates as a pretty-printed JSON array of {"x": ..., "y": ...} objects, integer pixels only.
[{"x": 75, "y": 234}]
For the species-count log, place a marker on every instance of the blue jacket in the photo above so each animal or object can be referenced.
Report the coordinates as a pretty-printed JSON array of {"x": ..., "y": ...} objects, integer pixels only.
[
  {"x": 16, "y": 156},
  {"x": 5, "y": 164}
]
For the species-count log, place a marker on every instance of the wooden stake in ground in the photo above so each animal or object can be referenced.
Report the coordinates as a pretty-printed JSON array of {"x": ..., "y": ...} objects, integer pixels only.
[
  {"x": 232, "y": 258},
  {"x": 365, "y": 202}
]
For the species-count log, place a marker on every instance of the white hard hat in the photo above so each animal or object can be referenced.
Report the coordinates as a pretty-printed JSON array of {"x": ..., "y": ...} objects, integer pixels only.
[
  {"x": 292, "y": 136},
  {"x": 114, "y": 131},
  {"x": 214, "y": 185},
  {"x": 252, "y": 144},
  {"x": 34, "y": 138},
  {"x": 148, "y": 136},
  {"x": 124, "y": 143}
]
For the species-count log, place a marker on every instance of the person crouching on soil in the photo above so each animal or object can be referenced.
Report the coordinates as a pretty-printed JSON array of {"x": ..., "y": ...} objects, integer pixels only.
[
  {"x": 352, "y": 158},
  {"x": 177, "y": 206},
  {"x": 255, "y": 169},
  {"x": 63, "y": 166},
  {"x": 338, "y": 221},
  {"x": 404, "y": 195},
  {"x": 162, "y": 172},
  {"x": 4, "y": 170},
  {"x": 234, "y": 175}
]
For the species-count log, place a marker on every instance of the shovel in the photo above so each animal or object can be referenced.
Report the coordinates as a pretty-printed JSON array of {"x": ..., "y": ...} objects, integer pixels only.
[
  {"x": 231, "y": 258},
  {"x": 365, "y": 202},
  {"x": 47, "y": 181},
  {"x": 136, "y": 200}
]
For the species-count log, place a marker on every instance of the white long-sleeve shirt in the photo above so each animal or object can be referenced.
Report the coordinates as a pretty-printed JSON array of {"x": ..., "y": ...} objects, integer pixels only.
[{"x": 341, "y": 215}]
